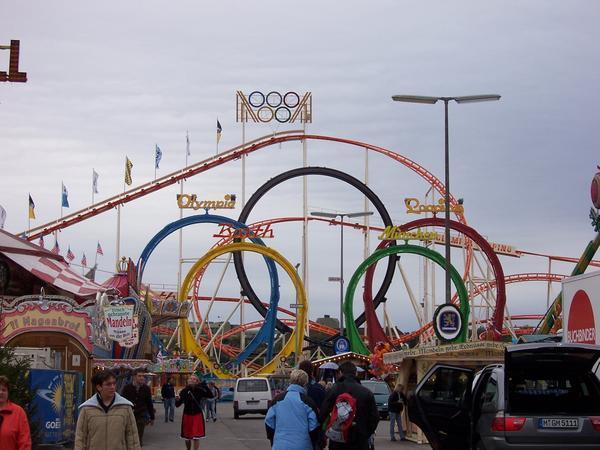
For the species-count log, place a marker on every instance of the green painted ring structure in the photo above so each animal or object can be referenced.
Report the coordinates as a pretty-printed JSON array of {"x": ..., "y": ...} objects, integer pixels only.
[{"x": 356, "y": 343}]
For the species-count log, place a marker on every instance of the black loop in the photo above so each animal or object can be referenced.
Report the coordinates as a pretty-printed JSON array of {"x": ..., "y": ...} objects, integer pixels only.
[
  {"x": 291, "y": 99},
  {"x": 282, "y": 114},
  {"x": 258, "y": 93},
  {"x": 294, "y": 173}
]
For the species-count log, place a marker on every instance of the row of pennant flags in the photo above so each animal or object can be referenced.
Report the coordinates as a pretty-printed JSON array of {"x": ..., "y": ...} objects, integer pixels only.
[
  {"x": 70, "y": 255},
  {"x": 95, "y": 176}
]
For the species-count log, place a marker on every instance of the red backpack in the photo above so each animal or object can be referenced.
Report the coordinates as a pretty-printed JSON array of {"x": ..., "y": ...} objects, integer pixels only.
[{"x": 341, "y": 418}]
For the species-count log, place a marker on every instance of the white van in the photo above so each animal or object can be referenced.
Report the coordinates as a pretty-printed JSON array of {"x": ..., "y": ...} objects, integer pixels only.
[{"x": 251, "y": 396}]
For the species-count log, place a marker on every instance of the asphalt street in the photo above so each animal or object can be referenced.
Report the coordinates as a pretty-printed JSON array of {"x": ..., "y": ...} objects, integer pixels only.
[{"x": 226, "y": 433}]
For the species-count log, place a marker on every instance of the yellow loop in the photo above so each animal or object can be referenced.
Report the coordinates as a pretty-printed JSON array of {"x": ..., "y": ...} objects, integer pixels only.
[{"x": 188, "y": 342}]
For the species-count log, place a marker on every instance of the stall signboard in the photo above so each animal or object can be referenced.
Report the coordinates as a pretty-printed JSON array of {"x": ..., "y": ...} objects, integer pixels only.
[
  {"x": 581, "y": 309},
  {"x": 119, "y": 322},
  {"x": 46, "y": 316},
  {"x": 135, "y": 335}
]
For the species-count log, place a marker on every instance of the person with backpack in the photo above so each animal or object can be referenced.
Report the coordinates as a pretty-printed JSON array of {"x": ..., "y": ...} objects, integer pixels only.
[
  {"x": 349, "y": 412},
  {"x": 291, "y": 421},
  {"x": 396, "y": 402}
]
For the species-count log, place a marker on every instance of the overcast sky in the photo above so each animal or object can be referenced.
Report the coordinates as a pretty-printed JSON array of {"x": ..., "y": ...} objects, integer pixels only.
[{"x": 111, "y": 79}]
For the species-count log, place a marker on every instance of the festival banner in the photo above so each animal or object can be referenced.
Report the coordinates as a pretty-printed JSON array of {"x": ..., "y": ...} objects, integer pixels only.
[
  {"x": 48, "y": 403},
  {"x": 119, "y": 322}
]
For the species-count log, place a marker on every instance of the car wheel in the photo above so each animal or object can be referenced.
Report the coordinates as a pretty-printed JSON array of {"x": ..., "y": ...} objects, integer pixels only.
[{"x": 236, "y": 415}]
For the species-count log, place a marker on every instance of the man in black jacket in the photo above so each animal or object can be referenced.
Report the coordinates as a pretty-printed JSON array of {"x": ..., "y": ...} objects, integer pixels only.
[
  {"x": 139, "y": 394},
  {"x": 168, "y": 395},
  {"x": 366, "y": 416}
]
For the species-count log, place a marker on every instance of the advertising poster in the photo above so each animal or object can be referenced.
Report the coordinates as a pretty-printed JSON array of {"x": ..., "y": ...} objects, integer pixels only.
[
  {"x": 70, "y": 406},
  {"x": 119, "y": 322},
  {"x": 581, "y": 309},
  {"x": 49, "y": 403}
]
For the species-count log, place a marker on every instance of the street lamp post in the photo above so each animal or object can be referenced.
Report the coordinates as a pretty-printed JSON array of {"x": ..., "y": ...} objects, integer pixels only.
[
  {"x": 341, "y": 216},
  {"x": 446, "y": 100}
]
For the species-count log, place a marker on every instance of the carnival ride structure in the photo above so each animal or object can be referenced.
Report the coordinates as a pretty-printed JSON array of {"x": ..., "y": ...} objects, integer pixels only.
[{"x": 209, "y": 347}]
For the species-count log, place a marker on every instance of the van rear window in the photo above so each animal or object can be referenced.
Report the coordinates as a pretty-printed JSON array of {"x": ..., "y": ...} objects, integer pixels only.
[
  {"x": 252, "y": 386},
  {"x": 548, "y": 393}
]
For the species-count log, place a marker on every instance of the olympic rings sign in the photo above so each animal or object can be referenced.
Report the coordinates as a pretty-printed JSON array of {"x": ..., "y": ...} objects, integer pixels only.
[{"x": 283, "y": 108}]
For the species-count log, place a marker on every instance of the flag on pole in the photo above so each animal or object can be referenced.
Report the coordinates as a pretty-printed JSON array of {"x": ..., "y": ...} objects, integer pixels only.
[
  {"x": 2, "y": 217},
  {"x": 157, "y": 157},
  {"x": 128, "y": 167},
  {"x": 187, "y": 143},
  {"x": 95, "y": 181},
  {"x": 84, "y": 261},
  {"x": 219, "y": 130},
  {"x": 65, "y": 196},
  {"x": 99, "y": 249},
  {"x": 56, "y": 248},
  {"x": 31, "y": 208},
  {"x": 41, "y": 241},
  {"x": 70, "y": 255}
]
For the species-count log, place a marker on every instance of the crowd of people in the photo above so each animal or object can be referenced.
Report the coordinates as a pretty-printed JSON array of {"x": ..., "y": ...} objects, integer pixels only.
[{"x": 308, "y": 415}]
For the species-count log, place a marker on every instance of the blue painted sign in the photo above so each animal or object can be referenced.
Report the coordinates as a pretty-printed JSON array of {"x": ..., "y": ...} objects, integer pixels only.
[
  {"x": 49, "y": 403},
  {"x": 341, "y": 345}
]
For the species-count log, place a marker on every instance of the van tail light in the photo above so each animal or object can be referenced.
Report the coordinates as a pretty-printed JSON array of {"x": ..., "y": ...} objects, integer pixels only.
[
  {"x": 269, "y": 403},
  {"x": 595, "y": 423},
  {"x": 502, "y": 423},
  {"x": 235, "y": 404}
]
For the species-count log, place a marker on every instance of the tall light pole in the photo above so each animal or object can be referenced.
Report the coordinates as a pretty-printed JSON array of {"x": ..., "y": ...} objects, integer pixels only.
[
  {"x": 341, "y": 216},
  {"x": 446, "y": 100}
]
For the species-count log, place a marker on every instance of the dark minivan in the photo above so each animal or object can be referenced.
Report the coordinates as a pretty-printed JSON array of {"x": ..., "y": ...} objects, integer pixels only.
[{"x": 544, "y": 396}]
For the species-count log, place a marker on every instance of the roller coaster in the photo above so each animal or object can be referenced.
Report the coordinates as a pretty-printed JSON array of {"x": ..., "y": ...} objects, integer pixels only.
[{"x": 283, "y": 334}]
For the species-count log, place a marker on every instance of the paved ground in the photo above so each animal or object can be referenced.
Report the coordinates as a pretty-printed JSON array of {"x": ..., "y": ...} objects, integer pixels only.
[{"x": 228, "y": 434}]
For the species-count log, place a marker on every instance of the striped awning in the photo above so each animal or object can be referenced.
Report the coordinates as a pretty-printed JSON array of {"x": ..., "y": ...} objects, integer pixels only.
[{"x": 45, "y": 265}]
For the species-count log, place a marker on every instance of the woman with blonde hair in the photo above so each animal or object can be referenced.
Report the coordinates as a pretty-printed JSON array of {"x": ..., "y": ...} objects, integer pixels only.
[{"x": 291, "y": 420}]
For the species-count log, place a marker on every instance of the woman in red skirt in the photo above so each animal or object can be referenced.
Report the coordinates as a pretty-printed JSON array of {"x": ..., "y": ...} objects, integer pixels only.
[{"x": 192, "y": 424}]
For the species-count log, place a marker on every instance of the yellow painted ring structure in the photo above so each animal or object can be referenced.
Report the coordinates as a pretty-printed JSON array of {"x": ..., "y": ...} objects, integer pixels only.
[{"x": 188, "y": 342}]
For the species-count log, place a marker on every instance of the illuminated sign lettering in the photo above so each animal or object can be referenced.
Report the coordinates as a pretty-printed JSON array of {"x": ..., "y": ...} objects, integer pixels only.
[
  {"x": 13, "y": 68},
  {"x": 254, "y": 231},
  {"x": 186, "y": 201},
  {"x": 414, "y": 206},
  {"x": 393, "y": 233}
]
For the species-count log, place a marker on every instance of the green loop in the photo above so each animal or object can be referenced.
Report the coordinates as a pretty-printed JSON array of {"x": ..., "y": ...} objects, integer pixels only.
[{"x": 356, "y": 343}]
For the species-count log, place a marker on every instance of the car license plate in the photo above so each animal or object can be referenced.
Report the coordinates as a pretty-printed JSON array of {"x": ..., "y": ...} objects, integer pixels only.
[
  {"x": 252, "y": 402},
  {"x": 559, "y": 423}
]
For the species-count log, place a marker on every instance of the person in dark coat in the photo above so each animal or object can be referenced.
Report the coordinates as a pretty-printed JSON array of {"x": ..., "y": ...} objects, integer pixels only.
[
  {"x": 366, "y": 415},
  {"x": 139, "y": 394},
  {"x": 396, "y": 402},
  {"x": 168, "y": 395},
  {"x": 192, "y": 423},
  {"x": 314, "y": 390}
]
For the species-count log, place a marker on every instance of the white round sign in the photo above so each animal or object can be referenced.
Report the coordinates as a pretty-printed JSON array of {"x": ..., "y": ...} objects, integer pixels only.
[{"x": 447, "y": 322}]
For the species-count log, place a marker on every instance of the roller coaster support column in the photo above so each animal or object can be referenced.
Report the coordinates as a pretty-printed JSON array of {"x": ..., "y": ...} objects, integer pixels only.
[{"x": 552, "y": 315}]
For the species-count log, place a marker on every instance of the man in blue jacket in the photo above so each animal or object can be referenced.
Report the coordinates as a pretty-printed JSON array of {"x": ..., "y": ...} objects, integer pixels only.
[{"x": 291, "y": 420}]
